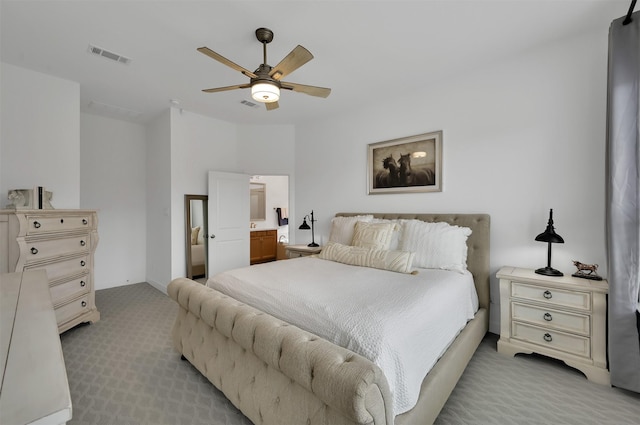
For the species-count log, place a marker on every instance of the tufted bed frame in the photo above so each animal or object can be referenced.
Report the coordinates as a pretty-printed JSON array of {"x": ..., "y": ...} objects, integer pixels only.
[{"x": 278, "y": 374}]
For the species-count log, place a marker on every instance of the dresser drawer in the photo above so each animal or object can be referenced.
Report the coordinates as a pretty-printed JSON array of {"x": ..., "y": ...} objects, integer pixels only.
[
  {"x": 72, "y": 309},
  {"x": 60, "y": 270},
  {"x": 552, "y": 339},
  {"x": 37, "y": 249},
  {"x": 38, "y": 224},
  {"x": 71, "y": 289},
  {"x": 549, "y": 318},
  {"x": 552, "y": 296}
]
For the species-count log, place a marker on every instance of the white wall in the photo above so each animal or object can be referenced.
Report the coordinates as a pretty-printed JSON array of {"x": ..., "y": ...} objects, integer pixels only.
[
  {"x": 198, "y": 144},
  {"x": 40, "y": 139},
  {"x": 113, "y": 181},
  {"x": 158, "y": 200},
  {"x": 520, "y": 137}
]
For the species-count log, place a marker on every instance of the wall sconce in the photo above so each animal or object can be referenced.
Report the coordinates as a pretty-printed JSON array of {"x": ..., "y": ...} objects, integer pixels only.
[
  {"x": 305, "y": 226},
  {"x": 550, "y": 236}
]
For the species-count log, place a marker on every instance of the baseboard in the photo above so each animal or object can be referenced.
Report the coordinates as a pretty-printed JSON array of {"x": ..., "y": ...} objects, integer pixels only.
[{"x": 160, "y": 287}]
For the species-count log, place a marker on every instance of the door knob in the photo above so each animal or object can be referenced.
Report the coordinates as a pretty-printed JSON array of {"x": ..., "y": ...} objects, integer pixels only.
[{"x": 213, "y": 236}]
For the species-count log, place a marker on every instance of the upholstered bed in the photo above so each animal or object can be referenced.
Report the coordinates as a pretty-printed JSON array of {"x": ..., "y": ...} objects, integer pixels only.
[{"x": 276, "y": 373}]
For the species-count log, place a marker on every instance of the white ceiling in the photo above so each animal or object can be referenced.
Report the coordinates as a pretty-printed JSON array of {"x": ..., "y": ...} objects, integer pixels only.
[{"x": 365, "y": 51}]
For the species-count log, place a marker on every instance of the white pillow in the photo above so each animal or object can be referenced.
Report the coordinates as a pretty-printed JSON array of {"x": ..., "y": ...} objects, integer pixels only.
[
  {"x": 373, "y": 235},
  {"x": 342, "y": 228},
  {"x": 395, "y": 238},
  {"x": 194, "y": 235},
  {"x": 437, "y": 245},
  {"x": 395, "y": 261}
]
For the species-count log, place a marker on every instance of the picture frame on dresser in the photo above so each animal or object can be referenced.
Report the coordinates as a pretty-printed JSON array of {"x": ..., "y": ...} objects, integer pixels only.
[{"x": 406, "y": 165}]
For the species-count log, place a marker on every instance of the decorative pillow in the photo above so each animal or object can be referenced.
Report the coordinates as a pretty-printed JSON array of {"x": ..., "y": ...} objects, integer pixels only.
[
  {"x": 395, "y": 238},
  {"x": 395, "y": 261},
  {"x": 342, "y": 228},
  {"x": 194, "y": 235},
  {"x": 437, "y": 245},
  {"x": 373, "y": 235}
]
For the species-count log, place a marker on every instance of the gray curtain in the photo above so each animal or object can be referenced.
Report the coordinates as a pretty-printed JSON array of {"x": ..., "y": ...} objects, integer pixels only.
[{"x": 623, "y": 196}]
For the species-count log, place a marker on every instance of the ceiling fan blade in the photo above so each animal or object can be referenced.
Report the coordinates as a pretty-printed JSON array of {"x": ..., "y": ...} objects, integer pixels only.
[
  {"x": 207, "y": 51},
  {"x": 294, "y": 60},
  {"x": 310, "y": 90},
  {"x": 217, "y": 89},
  {"x": 271, "y": 106}
]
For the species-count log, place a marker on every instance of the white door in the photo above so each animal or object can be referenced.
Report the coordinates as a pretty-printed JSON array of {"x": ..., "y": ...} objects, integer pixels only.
[{"x": 228, "y": 221}]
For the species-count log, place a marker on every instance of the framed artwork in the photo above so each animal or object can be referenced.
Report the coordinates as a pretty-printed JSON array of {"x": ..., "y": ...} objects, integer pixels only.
[{"x": 406, "y": 165}]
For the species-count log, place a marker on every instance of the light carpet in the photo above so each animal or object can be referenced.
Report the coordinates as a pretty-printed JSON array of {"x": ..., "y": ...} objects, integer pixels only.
[{"x": 124, "y": 370}]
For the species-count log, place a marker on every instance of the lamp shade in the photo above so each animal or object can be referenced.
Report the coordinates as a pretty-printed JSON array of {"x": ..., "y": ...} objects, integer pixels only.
[
  {"x": 550, "y": 235},
  {"x": 304, "y": 225},
  {"x": 265, "y": 92}
]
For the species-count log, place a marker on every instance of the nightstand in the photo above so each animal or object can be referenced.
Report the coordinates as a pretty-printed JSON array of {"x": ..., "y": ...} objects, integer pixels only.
[
  {"x": 295, "y": 251},
  {"x": 560, "y": 317}
]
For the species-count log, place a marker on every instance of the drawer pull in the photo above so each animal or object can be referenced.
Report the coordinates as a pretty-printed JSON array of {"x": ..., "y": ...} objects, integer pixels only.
[
  {"x": 547, "y": 337},
  {"x": 547, "y": 317},
  {"x": 82, "y": 263},
  {"x": 82, "y": 243},
  {"x": 84, "y": 304},
  {"x": 34, "y": 250},
  {"x": 83, "y": 283},
  {"x": 36, "y": 224},
  {"x": 84, "y": 221},
  {"x": 61, "y": 220},
  {"x": 548, "y": 295}
]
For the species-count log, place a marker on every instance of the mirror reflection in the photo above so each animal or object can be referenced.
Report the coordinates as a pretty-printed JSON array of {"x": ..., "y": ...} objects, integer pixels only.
[
  {"x": 258, "y": 201},
  {"x": 196, "y": 235}
]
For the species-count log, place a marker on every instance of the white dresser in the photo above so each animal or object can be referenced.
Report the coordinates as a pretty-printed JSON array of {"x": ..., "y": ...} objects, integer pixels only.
[
  {"x": 62, "y": 242},
  {"x": 560, "y": 317}
]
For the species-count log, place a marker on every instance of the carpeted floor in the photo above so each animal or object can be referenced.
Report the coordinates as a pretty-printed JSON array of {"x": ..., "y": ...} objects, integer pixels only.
[{"x": 124, "y": 370}]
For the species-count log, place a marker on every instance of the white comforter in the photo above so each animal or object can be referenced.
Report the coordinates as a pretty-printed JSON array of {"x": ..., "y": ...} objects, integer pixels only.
[{"x": 401, "y": 322}]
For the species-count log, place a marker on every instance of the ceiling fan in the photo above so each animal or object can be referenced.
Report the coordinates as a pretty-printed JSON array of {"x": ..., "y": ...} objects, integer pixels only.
[{"x": 265, "y": 82}]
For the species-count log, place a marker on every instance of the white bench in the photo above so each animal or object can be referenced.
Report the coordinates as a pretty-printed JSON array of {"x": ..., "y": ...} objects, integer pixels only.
[{"x": 34, "y": 387}]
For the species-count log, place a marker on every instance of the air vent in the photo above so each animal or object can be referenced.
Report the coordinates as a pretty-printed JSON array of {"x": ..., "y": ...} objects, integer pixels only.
[
  {"x": 249, "y": 104},
  {"x": 109, "y": 55},
  {"x": 114, "y": 111}
]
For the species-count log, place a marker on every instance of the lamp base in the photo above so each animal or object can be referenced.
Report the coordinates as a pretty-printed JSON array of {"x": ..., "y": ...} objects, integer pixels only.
[
  {"x": 548, "y": 271},
  {"x": 313, "y": 245}
]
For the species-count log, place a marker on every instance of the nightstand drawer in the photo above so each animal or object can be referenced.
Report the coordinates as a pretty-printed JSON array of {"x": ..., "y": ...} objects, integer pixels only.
[
  {"x": 549, "y": 318},
  {"x": 552, "y": 339},
  {"x": 552, "y": 296}
]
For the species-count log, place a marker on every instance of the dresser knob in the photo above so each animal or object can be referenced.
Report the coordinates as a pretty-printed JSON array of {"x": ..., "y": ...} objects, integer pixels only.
[
  {"x": 83, "y": 283},
  {"x": 548, "y": 295},
  {"x": 36, "y": 224},
  {"x": 82, "y": 263},
  {"x": 547, "y": 337},
  {"x": 547, "y": 317},
  {"x": 84, "y": 221},
  {"x": 34, "y": 250},
  {"x": 61, "y": 220},
  {"x": 83, "y": 303},
  {"x": 82, "y": 243}
]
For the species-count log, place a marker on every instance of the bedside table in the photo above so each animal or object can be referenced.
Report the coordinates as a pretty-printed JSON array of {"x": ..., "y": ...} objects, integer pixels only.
[
  {"x": 295, "y": 251},
  {"x": 560, "y": 317}
]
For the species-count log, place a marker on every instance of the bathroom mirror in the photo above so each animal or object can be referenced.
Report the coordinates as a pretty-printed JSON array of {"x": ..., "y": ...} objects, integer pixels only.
[
  {"x": 196, "y": 241},
  {"x": 258, "y": 201}
]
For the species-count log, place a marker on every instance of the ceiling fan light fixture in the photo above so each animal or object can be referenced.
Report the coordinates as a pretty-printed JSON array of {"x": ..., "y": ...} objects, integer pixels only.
[{"x": 265, "y": 92}]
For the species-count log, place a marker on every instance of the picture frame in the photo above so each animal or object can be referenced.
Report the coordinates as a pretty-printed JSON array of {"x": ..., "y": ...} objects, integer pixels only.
[{"x": 406, "y": 165}]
